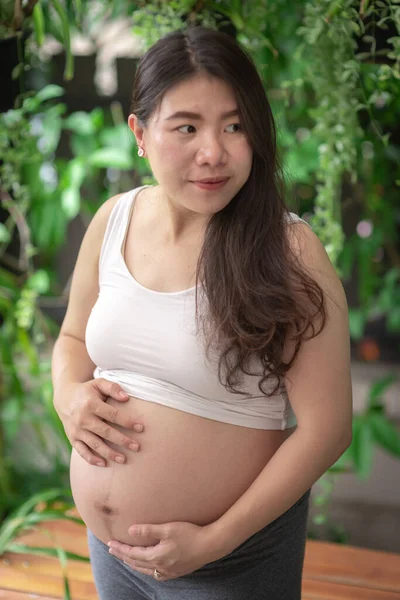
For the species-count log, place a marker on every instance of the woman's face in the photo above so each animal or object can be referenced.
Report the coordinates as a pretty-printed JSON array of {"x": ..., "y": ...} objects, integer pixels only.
[{"x": 208, "y": 143}]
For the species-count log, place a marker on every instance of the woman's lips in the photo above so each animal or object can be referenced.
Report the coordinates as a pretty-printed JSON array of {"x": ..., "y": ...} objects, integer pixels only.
[{"x": 204, "y": 185}]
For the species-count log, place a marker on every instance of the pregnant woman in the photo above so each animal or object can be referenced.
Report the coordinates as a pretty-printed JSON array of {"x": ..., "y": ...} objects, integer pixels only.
[{"x": 207, "y": 329}]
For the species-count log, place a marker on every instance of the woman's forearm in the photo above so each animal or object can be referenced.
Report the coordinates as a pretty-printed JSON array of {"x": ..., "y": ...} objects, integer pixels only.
[
  {"x": 301, "y": 460},
  {"x": 70, "y": 363}
]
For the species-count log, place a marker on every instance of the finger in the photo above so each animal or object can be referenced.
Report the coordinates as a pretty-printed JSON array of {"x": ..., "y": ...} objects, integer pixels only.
[
  {"x": 96, "y": 443},
  {"x": 111, "y": 414},
  {"x": 110, "y": 388},
  {"x": 137, "y": 564},
  {"x": 145, "y": 531},
  {"x": 103, "y": 430},
  {"x": 134, "y": 564},
  {"x": 83, "y": 450},
  {"x": 149, "y": 572},
  {"x": 144, "y": 554}
]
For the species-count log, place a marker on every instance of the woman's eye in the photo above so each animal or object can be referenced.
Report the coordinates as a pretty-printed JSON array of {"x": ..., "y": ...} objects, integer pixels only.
[
  {"x": 193, "y": 129},
  {"x": 235, "y": 125},
  {"x": 183, "y": 126}
]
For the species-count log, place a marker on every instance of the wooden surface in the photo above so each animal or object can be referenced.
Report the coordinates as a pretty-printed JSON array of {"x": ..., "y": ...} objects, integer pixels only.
[{"x": 331, "y": 571}]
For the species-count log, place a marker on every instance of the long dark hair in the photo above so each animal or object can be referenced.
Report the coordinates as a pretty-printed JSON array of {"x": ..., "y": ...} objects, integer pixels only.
[{"x": 246, "y": 266}]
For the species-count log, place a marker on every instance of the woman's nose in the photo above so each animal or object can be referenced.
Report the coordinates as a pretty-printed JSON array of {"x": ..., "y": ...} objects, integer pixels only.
[{"x": 211, "y": 151}]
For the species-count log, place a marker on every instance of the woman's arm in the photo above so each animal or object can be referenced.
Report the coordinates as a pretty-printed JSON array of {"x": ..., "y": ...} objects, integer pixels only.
[
  {"x": 295, "y": 467},
  {"x": 79, "y": 399},
  {"x": 319, "y": 389}
]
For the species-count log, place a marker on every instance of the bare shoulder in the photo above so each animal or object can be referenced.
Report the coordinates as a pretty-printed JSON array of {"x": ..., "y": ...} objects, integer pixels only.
[
  {"x": 100, "y": 219},
  {"x": 94, "y": 234},
  {"x": 308, "y": 249},
  {"x": 84, "y": 288}
]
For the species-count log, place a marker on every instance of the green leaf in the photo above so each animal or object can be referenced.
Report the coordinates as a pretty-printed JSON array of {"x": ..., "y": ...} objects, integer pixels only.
[
  {"x": 4, "y": 234},
  {"x": 319, "y": 519},
  {"x": 50, "y": 91},
  {"x": 44, "y": 496},
  {"x": 63, "y": 561},
  {"x": 11, "y": 414},
  {"x": 48, "y": 515},
  {"x": 71, "y": 202},
  {"x": 393, "y": 319},
  {"x": 320, "y": 500},
  {"x": 385, "y": 139},
  {"x": 362, "y": 446},
  {"x": 52, "y": 127},
  {"x": 41, "y": 220},
  {"x": 38, "y": 23},
  {"x": 83, "y": 145},
  {"x": 39, "y": 281},
  {"x": 69, "y": 67},
  {"x": 384, "y": 433},
  {"x": 78, "y": 11},
  {"x": 10, "y": 410},
  {"x": 25, "y": 343},
  {"x": 76, "y": 173},
  {"x": 384, "y": 300},
  {"x": 119, "y": 137},
  {"x": 346, "y": 260},
  {"x": 31, "y": 104},
  {"x": 111, "y": 157},
  {"x": 392, "y": 276},
  {"x": 17, "y": 71},
  {"x": 80, "y": 122},
  {"x": 378, "y": 387},
  {"x": 356, "y": 323},
  {"x": 12, "y": 117},
  {"x": 24, "y": 549},
  {"x": 97, "y": 116},
  {"x": 8, "y": 280}
]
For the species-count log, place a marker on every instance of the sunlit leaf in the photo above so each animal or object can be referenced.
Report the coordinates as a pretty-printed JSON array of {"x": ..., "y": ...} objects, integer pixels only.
[
  {"x": 111, "y": 157},
  {"x": 49, "y": 92},
  {"x": 71, "y": 202}
]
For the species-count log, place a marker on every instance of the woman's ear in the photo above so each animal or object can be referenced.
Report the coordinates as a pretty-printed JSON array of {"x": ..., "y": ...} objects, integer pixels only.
[{"x": 137, "y": 130}]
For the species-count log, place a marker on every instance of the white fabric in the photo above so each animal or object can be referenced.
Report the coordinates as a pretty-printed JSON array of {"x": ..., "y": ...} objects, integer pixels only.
[{"x": 146, "y": 342}]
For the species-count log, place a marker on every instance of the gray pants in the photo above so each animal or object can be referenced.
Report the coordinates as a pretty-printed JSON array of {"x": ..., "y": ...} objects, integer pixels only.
[{"x": 267, "y": 566}]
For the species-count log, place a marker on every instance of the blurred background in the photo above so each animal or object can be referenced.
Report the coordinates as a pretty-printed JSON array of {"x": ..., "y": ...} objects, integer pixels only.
[{"x": 332, "y": 74}]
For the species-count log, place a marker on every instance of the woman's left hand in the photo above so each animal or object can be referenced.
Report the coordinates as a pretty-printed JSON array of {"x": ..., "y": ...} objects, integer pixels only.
[{"x": 182, "y": 548}]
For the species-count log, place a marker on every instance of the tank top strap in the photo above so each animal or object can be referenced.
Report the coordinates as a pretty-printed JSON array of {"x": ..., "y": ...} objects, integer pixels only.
[{"x": 116, "y": 228}]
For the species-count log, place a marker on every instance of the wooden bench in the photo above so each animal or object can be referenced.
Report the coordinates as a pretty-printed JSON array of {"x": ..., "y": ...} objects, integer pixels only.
[{"x": 331, "y": 571}]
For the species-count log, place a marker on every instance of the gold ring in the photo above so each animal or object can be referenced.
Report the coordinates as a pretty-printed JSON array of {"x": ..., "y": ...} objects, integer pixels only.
[{"x": 157, "y": 574}]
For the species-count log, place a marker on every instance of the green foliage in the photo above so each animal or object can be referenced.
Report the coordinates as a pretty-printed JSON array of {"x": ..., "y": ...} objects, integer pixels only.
[
  {"x": 43, "y": 17},
  {"x": 48, "y": 505},
  {"x": 48, "y": 192},
  {"x": 42, "y": 195},
  {"x": 335, "y": 113}
]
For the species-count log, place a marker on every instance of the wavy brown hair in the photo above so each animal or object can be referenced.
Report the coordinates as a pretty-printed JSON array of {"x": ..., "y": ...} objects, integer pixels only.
[{"x": 258, "y": 293}]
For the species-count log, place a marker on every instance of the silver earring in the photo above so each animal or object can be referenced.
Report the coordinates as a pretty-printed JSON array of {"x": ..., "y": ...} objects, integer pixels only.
[{"x": 141, "y": 152}]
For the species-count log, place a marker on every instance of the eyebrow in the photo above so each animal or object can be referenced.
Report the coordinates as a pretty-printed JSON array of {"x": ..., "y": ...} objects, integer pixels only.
[{"x": 184, "y": 114}]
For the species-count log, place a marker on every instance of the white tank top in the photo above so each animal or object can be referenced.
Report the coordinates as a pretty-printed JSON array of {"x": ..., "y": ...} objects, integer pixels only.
[{"x": 146, "y": 342}]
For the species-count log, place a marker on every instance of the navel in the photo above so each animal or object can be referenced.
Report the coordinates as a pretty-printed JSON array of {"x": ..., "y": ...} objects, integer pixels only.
[{"x": 106, "y": 510}]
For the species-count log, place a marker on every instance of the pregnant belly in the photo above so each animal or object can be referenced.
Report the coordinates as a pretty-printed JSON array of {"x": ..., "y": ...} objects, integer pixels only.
[{"x": 188, "y": 468}]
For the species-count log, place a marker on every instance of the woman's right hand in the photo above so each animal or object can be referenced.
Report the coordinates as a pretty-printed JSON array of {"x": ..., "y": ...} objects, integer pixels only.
[{"x": 86, "y": 418}]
